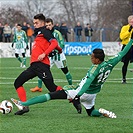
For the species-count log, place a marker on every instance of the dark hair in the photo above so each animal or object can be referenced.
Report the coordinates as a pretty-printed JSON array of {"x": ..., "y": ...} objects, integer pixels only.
[
  {"x": 40, "y": 17},
  {"x": 49, "y": 20},
  {"x": 99, "y": 53},
  {"x": 19, "y": 25}
]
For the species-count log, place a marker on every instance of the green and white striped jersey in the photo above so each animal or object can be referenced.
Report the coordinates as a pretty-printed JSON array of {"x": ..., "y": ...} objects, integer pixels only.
[
  {"x": 20, "y": 39},
  {"x": 59, "y": 38},
  {"x": 61, "y": 43},
  {"x": 97, "y": 74}
]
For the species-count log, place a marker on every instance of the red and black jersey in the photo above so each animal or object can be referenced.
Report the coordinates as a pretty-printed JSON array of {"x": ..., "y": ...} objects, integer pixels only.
[{"x": 43, "y": 43}]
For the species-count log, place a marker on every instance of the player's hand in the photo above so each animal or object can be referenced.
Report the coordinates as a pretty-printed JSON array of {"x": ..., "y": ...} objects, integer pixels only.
[
  {"x": 53, "y": 53},
  {"x": 27, "y": 47},
  {"x": 12, "y": 45},
  {"x": 77, "y": 98},
  {"x": 130, "y": 28},
  {"x": 41, "y": 57},
  {"x": 77, "y": 104}
]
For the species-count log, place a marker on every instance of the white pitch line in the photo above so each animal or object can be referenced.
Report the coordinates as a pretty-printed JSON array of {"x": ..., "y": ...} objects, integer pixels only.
[
  {"x": 75, "y": 68},
  {"x": 65, "y": 81}
]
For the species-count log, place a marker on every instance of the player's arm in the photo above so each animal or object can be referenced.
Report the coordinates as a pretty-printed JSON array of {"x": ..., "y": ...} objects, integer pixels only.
[
  {"x": 50, "y": 38},
  {"x": 61, "y": 40},
  {"x": 86, "y": 85},
  {"x": 119, "y": 56},
  {"x": 25, "y": 38},
  {"x": 88, "y": 80},
  {"x": 14, "y": 38}
]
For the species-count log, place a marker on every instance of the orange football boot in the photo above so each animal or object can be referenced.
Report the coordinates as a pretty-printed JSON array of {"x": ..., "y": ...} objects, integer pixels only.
[{"x": 36, "y": 89}]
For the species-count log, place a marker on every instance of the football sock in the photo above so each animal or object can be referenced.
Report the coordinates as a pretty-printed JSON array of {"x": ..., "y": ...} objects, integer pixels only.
[
  {"x": 21, "y": 93},
  {"x": 39, "y": 83},
  {"x": 59, "y": 88},
  {"x": 95, "y": 113},
  {"x": 19, "y": 59},
  {"x": 24, "y": 61},
  {"x": 69, "y": 78},
  {"x": 38, "y": 99}
]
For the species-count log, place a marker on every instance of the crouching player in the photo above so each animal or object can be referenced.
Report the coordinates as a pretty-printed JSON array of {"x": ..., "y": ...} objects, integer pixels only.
[{"x": 90, "y": 85}]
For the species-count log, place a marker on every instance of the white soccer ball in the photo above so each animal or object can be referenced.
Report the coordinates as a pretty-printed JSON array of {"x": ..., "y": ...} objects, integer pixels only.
[{"x": 6, "y": 107}]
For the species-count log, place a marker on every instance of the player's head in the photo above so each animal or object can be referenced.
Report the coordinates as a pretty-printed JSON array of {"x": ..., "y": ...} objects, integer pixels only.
[
  {"x": 49, "y": 23},
  {"x": 130, "y": 20},
  {"x": 19, "y": 27},
  {"x": 97, "y": 56},
  {"x": 39, "y": 20}
]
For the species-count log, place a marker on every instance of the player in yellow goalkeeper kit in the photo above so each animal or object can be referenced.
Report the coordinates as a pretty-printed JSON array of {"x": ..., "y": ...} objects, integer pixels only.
[{"x": 89, "y": 86}]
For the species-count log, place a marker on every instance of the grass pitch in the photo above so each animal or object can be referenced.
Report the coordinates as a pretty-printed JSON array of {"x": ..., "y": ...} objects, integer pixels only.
[{"x": 61, "y": 117}]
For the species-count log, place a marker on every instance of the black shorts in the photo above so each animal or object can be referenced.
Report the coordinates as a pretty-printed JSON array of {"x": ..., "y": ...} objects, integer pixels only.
[
  {"x": 128, "y": 56},
  {"x": 37, "y": 69}
]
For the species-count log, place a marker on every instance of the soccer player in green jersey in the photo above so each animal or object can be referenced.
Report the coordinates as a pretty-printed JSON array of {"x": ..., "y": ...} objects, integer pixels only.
[
  {"x": 58, "y": 59},
  {"x": 20, "y": 43},
  {"x": 85, "y": 93}
]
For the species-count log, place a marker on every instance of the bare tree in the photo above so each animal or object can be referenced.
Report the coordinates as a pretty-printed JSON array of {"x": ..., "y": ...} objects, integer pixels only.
[
  {"x": 11, "y": 16},
  {"x": 105, "y": 16},
  {"x": 111, "y": 15},
  {"x": 31, "y": 8}
]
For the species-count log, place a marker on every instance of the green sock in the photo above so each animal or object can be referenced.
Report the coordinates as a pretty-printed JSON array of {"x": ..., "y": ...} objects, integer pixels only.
[
  {"x": 95, "y": 113},
  {"x": 19, "y": 59},
  {"x": 69, "y": 78},
  {"x": 24, "y": 61},
  {"x": 35, "y": 100},
  {"x": 39, "y": 83}
]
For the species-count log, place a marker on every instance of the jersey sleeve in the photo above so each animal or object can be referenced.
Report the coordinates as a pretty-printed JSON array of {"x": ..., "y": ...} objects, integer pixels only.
[
  {"x": 52, "y": 46},
  {"x": 14, "y": 38},
  {"x": 25, "y": 37},
  {"x": 119, "y": 56},
  {"x": 61, "y": 41},
  {"x": 86, "y": 81},
  {"x": 59, "y": 38}
]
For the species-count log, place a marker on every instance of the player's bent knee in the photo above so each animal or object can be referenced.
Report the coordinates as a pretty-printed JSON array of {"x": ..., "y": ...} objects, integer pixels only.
[
  {"x": 89, "y": 111},
  {"x": 17, "y": 84}
]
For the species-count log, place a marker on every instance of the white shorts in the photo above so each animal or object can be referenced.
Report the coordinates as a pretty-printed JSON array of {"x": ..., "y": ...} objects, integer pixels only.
[
  {"x": 20, "y": 51},
  {"x": 87, "y": 100},
  {"x": 59, "y": 63}
]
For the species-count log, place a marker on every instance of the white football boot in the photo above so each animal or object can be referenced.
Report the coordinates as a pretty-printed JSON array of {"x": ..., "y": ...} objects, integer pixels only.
[
  {"x": 17, "y": 103},
  {"x": 107, "y": 113}
]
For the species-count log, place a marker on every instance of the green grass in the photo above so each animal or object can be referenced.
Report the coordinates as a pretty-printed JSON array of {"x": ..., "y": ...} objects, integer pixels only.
[{"x": 59, "y": 116}]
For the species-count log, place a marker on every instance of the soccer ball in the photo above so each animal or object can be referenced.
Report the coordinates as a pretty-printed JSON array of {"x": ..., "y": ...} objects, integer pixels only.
[{"x": 6, "y": 107}]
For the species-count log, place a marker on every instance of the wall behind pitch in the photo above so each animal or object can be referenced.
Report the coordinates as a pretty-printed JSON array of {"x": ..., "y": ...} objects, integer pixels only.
[{"x": 71, "y": 48}]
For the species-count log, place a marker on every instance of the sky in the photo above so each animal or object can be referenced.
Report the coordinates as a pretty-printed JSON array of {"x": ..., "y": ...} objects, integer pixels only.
[{"x": 12, "y": 2}]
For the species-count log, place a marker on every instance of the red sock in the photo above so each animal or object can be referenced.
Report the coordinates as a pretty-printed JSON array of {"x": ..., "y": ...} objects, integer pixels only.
[
  {"x": 21, "y": 93},
  {"x": 59, "y": 88}
]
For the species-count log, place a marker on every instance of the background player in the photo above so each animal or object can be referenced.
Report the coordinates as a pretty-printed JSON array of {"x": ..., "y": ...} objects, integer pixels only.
[
  {"x": 58, "y": 59},
  {"x": 20, "y": 41}
]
